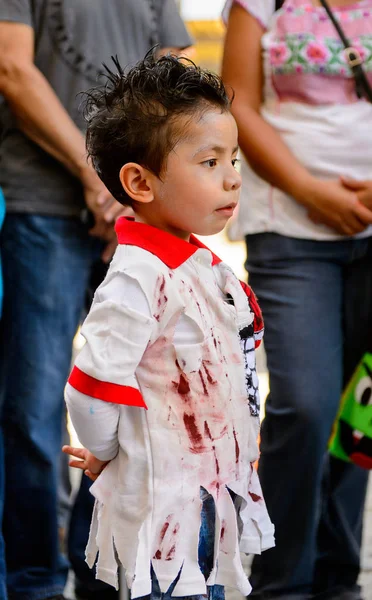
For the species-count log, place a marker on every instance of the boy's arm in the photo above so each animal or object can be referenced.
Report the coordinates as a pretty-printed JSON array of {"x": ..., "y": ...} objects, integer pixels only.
[
  {"x": 117, "y": 331},
  {"x": 95, "y": 422}
]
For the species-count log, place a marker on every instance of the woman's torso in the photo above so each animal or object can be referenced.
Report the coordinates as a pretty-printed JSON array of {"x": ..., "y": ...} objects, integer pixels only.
[{"x": 310, "y": 99}]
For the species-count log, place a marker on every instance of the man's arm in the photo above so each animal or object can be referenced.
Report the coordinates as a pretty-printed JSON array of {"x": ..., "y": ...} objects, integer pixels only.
[
  {"x": 41, "y": 116},
  {"x": 173, "y": 35}
]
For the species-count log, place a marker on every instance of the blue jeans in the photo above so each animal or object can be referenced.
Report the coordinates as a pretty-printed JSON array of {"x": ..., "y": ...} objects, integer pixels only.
[
  {"x": 46, "y": 265},
  {"x": 2, "y": 214},
  {"x": 316, "y": 299}
]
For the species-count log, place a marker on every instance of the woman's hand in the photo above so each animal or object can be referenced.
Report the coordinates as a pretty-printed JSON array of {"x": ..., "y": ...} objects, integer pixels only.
[
  {"x": 363, "y": 190},
  {"x": 91, "y": 465},
  {"x": 331, "y": 203}
]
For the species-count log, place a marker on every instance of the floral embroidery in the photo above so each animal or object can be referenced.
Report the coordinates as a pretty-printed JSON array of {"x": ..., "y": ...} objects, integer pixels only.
[
  {"x": 279, "y": 54},
  {"x": 316, "y": 53},
  {"x": 318, "y": 14},
  {"x": 304, "y": 53}
]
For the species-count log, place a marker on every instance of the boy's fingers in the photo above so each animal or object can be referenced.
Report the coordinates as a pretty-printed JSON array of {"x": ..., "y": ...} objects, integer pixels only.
[
  {"x": 78, "y": 464},
  {"x": 92, "y": 476},
  {"x": 77, "y": 452}
]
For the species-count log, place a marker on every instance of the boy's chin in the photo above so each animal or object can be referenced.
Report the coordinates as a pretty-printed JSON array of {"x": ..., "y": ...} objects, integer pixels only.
[{"x": 211, "y": 230}]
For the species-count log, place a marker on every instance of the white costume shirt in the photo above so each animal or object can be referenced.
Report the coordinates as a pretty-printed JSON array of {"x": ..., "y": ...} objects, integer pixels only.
[{"x": 166, "y": 388}]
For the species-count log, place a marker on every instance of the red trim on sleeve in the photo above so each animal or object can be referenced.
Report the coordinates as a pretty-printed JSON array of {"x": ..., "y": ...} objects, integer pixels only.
[
  {"x": 103, "y": 390},
  {"x": 258, "y": 323}
]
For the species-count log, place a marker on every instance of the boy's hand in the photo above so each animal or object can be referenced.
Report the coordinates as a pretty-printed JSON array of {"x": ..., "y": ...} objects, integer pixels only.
[
  {"x": 91, "y": 465},
  {"x": 363, "y": 190}
]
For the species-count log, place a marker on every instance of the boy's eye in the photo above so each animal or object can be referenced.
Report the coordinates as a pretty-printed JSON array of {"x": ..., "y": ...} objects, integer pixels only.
[
  {"x": 211, "y": 162},
  {"x": 235, "y": 162}
]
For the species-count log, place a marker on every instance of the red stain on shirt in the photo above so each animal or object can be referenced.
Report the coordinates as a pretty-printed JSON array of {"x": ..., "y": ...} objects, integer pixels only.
[
  {"x": 209, "y": 434},
  {"x": 223, "y": 530},
  {"x": 254, "y": 497},
  {"x": 162, "y": 299},
  {"x": 194, "y": 434},
  {"x": 237, "y": 449},
  {"x": 205, "y": 389},
  {"x": 164, "y": 530},
  {"x": 171, "y": 553},
  {"x": 208, "y": 374},
  {"x": 183, "y": 385}
]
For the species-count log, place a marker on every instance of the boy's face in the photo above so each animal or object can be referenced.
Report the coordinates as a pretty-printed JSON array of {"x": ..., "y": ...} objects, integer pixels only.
[{"x": 199, "y": 189}]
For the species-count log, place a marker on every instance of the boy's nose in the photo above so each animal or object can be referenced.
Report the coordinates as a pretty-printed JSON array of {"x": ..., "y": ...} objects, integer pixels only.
[{"x": 232, "y": 182}]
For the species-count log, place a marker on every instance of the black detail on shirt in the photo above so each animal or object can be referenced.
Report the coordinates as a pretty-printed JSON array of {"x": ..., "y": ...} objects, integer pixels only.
[{"x": 247, "y": 344}]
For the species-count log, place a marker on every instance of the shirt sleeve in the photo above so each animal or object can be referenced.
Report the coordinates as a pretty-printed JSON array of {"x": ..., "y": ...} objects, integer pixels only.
[
  {"x": 17, "y": 11},
  {"x": 258, "y": 324},
  {"x": 95, "y": 422},
  {"x": 172, "y": 30},
  {"x": 262, "y": 10},
  {"x": 117, "y": 331}
]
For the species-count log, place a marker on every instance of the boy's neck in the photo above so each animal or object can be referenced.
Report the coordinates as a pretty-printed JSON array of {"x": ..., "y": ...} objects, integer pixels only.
[{"x": 183, "y": 235}]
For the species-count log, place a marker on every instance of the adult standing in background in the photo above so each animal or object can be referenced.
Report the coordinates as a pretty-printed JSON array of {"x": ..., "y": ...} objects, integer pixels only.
[
  {"x": 50, "y": 50},
  {"x": 302, "y": 127},
  {"x": 2, "y": 215}
]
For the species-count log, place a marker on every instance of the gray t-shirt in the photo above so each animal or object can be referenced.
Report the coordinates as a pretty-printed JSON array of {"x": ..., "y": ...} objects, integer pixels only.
[{"x": 72, "y": 40}]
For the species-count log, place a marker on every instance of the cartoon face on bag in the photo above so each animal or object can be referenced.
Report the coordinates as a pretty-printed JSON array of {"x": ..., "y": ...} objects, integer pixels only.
[{"x": 352, "y": 440}]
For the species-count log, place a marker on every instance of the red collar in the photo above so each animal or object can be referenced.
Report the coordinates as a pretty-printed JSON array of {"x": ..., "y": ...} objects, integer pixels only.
[{"x": 170, "y": 249}]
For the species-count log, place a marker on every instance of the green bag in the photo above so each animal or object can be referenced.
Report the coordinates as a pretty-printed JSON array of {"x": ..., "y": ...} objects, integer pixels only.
[{"x": 351, "y": 438}]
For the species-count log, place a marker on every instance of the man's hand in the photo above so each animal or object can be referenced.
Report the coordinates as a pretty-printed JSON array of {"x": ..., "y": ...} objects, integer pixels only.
[
  {"x": 102, "y": 205},
  {"x": 105, "y": 209},
  {"x": 91, "y": 465},
  {"x": 363, "y": 190},
  {"x": 330, "y": 203}
]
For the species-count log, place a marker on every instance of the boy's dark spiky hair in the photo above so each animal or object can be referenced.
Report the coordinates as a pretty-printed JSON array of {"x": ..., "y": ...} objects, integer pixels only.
[{"x": 133, "y": 117}]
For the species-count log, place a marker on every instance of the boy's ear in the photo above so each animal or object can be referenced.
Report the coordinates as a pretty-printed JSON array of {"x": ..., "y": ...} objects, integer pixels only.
[{"x": 137, "y": 182}]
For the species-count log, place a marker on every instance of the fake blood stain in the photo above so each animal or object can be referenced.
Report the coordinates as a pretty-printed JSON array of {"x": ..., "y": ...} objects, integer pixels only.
[
  {"x": 223, "y": 530},
  {"x": 205, "y": 389},
  {"x": 237, "y": 449},
  {"x": 209, "y": 434},
  {"x": 208, "y": 374},
  {"x": 164, "y": 530},
  {"x": 254, "y": 497},
  {"x": 183, "y": 386},
  {"x": 194, "y": 434},
  {"x": 171, "y": 552},
  {"x": 162, "y": 298}
]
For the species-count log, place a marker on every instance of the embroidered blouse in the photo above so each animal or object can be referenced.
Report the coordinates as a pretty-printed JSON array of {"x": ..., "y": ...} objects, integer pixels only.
[{"x": 165, "y": 387}]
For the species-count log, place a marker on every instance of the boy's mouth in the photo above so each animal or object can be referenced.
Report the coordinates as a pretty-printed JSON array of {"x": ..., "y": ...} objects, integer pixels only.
[{"x": 227, "y": 210}]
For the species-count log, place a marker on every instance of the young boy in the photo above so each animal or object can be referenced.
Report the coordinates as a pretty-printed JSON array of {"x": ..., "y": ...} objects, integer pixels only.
[{"x": 164, "y": 393}]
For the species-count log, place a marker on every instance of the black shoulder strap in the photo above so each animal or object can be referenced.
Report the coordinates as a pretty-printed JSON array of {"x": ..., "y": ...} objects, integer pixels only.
[
  {"x": 363, "y": 87},
  {"x": 278, "y": 4}
]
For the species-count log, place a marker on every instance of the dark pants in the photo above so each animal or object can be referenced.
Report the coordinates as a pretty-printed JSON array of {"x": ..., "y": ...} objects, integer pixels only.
[
  {"x": 316, "y": 299},
  {"x": 87, "y": 586},
  {"x": 47, "y": 263}
]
